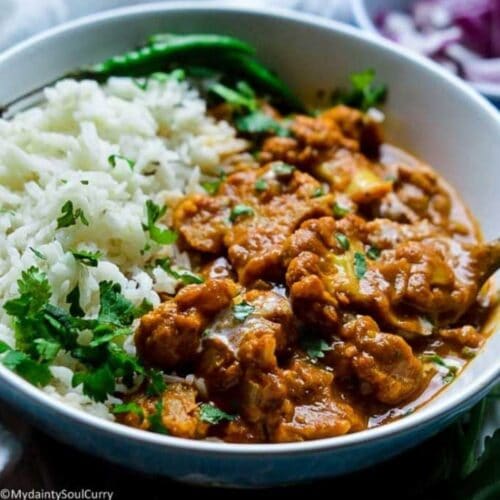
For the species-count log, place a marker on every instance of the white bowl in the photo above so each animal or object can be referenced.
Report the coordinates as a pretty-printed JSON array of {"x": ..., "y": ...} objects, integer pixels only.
[
  {"x": 366, "y": 12},
  {"x": 430, "y": 112}
]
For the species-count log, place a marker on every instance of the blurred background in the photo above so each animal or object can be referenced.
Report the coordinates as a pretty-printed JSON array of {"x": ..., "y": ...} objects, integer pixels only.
[{"x": 22, "y": 18}]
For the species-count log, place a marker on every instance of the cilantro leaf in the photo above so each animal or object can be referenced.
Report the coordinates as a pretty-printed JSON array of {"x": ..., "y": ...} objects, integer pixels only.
[
  {"x": 319, "y": 191},
  {"x": 315, "y": 347},
  {"x": 123, "y": 364},
  {"x": 343, "y": 240},
  {"x": 112, "y": 161},
  {"x": 4, "y": 347},
  {"x": 187, "y": 277},
  {"x": 128, "y": 408},
  {"x": 242, "y": 310},
  {"x": 211, "y": 187},
  {"x": 233, "y": 97},
  {"x": 105, "y": 334},
  {"x": 245, "y": 89},
  {"x": 156, "y": 383},
  {"x": 36, "y": 373},
  {"x": 61, "y": 326},
  {"x": 364, "y": 93},
  {"x": 373, "y": 253},
  {"x": 339, "y": 211},
  {"x": 39, "y": 254},
  {"x": 114, "y": 309},
  {"x": 143, "y": 308},
  {"x": 35, "y": 292},
  {"x": 70, "y": 216},
  {"x": 161, "y": 236},
  {"x": 260, "y": 185},
  {"x": 73, "y": 299},
  {"x": 97, "y": 384},
  {"x": 156, "y": 419},
  {"x": 260, "y": 123},
  {"x": 86, "y": 257},
  {"x": 283, "y": 170},
  {"x": 240, "y": 210},
  {"x": 435, "y": 358},
  {"x": 47, "y": 349},
  {"x": 360, "y": 266},
  {"x": 210, "y": 414}
]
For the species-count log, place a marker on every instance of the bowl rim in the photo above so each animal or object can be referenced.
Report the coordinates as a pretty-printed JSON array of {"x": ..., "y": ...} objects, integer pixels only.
[
  {"x": 365, "y": 21},
  {"x": 423, "y": 417}
]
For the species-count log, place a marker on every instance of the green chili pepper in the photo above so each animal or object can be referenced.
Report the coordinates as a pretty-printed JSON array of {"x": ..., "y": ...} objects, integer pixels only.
[
  {"x": 165, "y": 48},
  {"x": 230, "y": 56},
  {"x": 261, "y": 76}
]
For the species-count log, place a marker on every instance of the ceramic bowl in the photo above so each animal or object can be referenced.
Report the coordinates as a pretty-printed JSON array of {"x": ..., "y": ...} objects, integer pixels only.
[
  {"x": 430, "y": 112},
  {"x": 367, "y": 11}
]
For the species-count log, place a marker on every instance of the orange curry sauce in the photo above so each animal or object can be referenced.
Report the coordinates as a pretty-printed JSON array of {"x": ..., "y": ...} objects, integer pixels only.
[{"x": 341, "y": 282}]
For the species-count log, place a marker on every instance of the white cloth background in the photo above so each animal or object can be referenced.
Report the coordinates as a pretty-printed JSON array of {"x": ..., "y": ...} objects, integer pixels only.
[{"x": 21, "y": 18}]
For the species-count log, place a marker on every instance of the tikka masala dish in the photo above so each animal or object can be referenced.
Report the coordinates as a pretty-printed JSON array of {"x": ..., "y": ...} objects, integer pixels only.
[{"x": 338, "y": 288}]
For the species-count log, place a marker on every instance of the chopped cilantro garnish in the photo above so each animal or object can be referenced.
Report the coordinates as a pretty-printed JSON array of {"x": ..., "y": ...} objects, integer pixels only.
[
  {"x": 39, "y": 254},
  {"x": 34, "y": 372},
  {"x": 70, "y": 216},
  {"x": 283, "y": 170},
  {"x": 242, "y": 310},
  {"x": 34, "y": 292},
  {"x": 233, "y": 97},
  {"x": 260, "y": 185},
  {"x": 343, "y": 240},
  {"x": 373, "y": 253},
  {"x": 156, "y": 385},
  {"x": 187, "y": 277},
  {"x": 143, "y": 308},
  {"x": 435, "y": 358},
  {"x": 112, "y": 161},
  {"x": 240, "y": 210},
  {"x": 140, "y": 83},
  {"x": 156, "y": 419},
  {"x": 97, "y": 384},
  {"x": 128, "y": 408},
  {"x": 245, "y": 89},
  {"x": 360, "y": 265},
  {"x": 47, "y": 349},
  {"x": 42, "y": 329},
  {"x": 73, "y": 299},
  {"x": 161, "y": 236},
  {"x": 211, "y": 187},
  {"x": 364, "y": 94},
  {"x": 315, "y": 347},
  {"x": 4, "y": 347},
  {"x": 319, "y": 191},
  {"x": 210, "y": 414},
  {"x": 339, "y": 211},
  {"x": 84, "y": 182},
  {"x": 115, "y": 308},
  {"x": 260, "y": 123},
  {"x": 86, "y": 257}
]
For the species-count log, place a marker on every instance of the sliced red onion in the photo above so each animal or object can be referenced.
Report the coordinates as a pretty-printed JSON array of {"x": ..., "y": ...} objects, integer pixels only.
[
  {"x": 463, "y": 35},
  {"x": 401, "y": 28},
  {"x": 429, "y": 15},
  {"x": 482, "y": 70}
]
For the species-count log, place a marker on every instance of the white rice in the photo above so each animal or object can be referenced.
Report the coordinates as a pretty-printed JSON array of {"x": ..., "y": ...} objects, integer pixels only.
[{"x": 46, "y": 153}]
